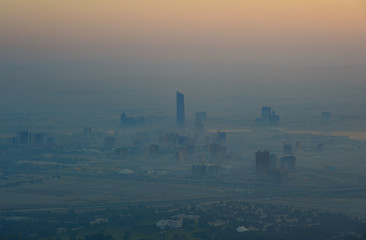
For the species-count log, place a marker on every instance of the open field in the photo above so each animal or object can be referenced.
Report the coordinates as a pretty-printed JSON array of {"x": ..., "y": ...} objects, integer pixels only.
[{"x": 95, "y": 191}]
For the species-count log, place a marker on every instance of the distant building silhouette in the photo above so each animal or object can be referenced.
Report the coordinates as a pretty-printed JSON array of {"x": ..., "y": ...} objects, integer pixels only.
[
  {"x": 287, "y": 149},
  {"x": 169, "y": 140},
  {"x": 266, "y": 113},
  {"x": 280, "y": 175},
  {"x": 288, "y": 162},
  {"x": 151, "y": 150},
  {"x": 320, "y": 147},
  {"x": 201, "y": 116},
  {"x": 39, "y": 138},
  {"x": 25, "y": 137},
  {"x": 268, "y": 117},
  {"x": 87, "y": 132},
  {"x": 207, "y": 170},
  {"x": 200, "y": 119},
  {"x": 219, "y": 137},
  {"x": 120, "y": 152},
  {"x": 273, "y": 161},
  {"x": 217, "y": 151},
  {"x": 262, "y": 162},
  {"x": 198, "y": 128},
  {"x": 131, "y": 122},
  {"x": 180, "y": 110}
]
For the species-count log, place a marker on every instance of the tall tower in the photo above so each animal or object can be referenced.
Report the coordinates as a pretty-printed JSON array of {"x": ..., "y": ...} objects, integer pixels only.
[
  {"x": 180, "y": 110},
  {"x": 262, "y": 162},
  {"x": 199, "y": 121}
]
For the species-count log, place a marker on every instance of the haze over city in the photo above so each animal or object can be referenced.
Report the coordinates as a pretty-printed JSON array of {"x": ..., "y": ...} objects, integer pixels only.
[{"x": 205, "y": 119}]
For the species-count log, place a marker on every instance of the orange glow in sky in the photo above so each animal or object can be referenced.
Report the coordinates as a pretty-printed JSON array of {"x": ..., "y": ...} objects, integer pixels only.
[{"x": 173, "y": 27}]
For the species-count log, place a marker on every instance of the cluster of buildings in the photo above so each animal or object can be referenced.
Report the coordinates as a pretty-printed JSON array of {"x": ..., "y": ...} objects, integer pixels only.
[
  {"x": 266, "y": 162},
  {"x": 183, "y": 147},
  {"x": 212, "y": 149},
  {"x": 29, "y": 138},
  {"x": 209, "y": 151},
  {"x": 268, "y": 117},
  {"x": 166, "y": 224},
  {"x": 175, "y": 222}
]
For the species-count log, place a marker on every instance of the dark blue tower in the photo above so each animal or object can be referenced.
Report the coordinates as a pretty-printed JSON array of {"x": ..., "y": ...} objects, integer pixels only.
[{"x": 180, "y": 110}]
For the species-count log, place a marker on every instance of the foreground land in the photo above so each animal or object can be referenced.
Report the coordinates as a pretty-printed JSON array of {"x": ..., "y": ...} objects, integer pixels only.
[{"x": 184, "y": 220}]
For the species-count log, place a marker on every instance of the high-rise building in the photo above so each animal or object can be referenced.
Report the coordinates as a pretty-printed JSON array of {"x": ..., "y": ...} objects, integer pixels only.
[
  {"x": 25, "y": 137},
  {"x": 268, "y": 117},
  {"x": 287, "y": 149},
  {"x": 180, "y": 110},
  {"x": 198, "y": 128},
  {"x": 262, "y": 162},
  {"x": 200, "y": 119},
  {"x": 266, "y": 113}
]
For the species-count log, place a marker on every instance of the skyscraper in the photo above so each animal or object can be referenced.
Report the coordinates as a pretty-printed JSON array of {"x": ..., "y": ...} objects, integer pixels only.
[
  {"x": 262, "y": 162},
  {"x": 180, "y": 110},
  {"x": 199, "y": 121},
  {"x": 268, "y": 117}
]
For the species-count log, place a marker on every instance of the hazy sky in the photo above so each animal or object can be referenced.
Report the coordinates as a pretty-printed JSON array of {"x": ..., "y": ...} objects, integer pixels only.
[{"x": 89, "y": 51}]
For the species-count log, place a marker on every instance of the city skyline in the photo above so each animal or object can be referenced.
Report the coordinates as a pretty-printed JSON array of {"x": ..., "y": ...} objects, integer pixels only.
[{"x": 264, "y": 138}]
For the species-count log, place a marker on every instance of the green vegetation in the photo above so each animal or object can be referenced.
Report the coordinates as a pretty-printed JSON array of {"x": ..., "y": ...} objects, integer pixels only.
[{"x": 205, "y": 220}]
